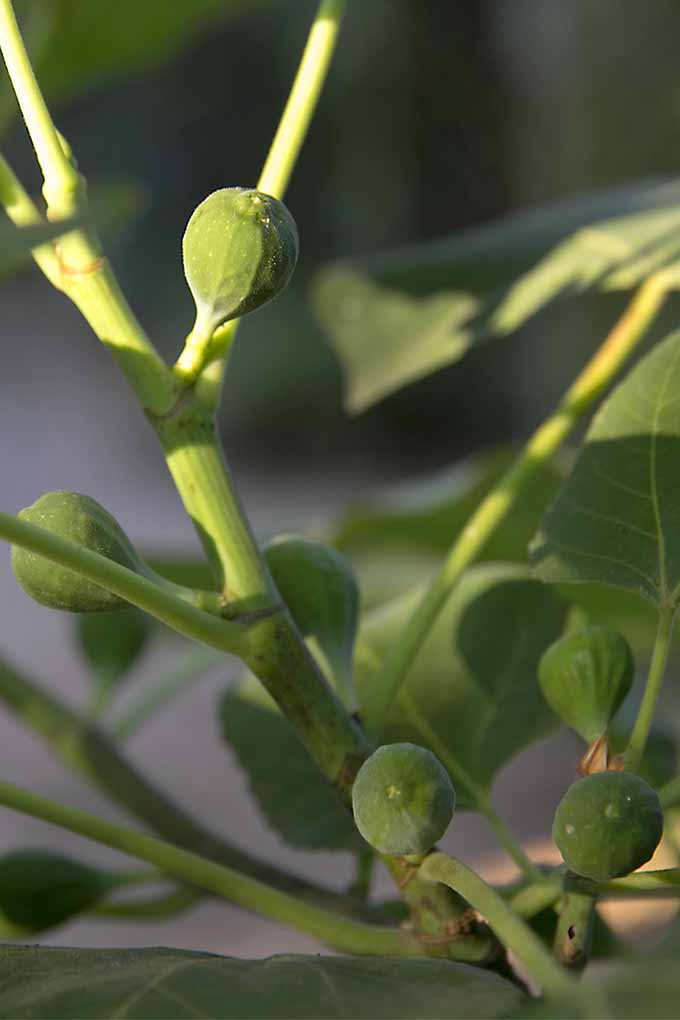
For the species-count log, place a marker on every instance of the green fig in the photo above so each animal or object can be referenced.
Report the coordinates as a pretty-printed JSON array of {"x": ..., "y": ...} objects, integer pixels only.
[
  {"x": 403, "y": 800},
  {"x": 82, "y": 520},
  {"x": 239, "y": 248},
  {"x": 318, "y": 586},
  {"x": 40, "y": 889},
  {"x": 608, "y": 825},
  {"x": 585, "y": 677}
]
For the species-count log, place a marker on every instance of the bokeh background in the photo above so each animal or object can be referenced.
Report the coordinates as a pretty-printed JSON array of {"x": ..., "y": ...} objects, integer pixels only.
[{"x": 437, "y": 117}]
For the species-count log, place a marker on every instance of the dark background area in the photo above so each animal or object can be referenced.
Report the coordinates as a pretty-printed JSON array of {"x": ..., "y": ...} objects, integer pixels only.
[{"x": 437, "y": 116}]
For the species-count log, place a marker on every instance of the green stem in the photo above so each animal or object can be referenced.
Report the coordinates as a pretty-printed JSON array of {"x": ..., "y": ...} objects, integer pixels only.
[
  {"x": 156, "y": 908},
  {"x": 303, "y": 99},
  {"x": 549, "y": 436},
  {"x": 664, "y": 883},
  {"x": 657, "y": 669},
  {"x": 138, "y": 590},
  {"x": 535, "y": 897},
  {"x": 195, "y": 460},
  {"x": 443, "y": 920},
  {"x": 272, "y": 648},
  {"x": 280, "y": 162},
  {"x": 527, "y": 947},
  {"x": 194, "y": 666},
  {"x": 669, "y": 795},
  {"x": 83, "y": 274},
  {"x": 23, "y": 212},
  {"x": 89, "y": 753},
  {"x": 61, "y": 179},
  {"x": 364, "y": 863},
  {"x": 341, "y": 932},
  {"x": 574, "y": 934}
]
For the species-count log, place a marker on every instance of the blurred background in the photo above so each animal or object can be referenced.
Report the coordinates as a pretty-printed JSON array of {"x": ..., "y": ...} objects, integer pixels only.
[{"x": 436, "y": 117}]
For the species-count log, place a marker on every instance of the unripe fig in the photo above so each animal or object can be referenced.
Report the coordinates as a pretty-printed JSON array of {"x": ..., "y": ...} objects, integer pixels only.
[
  {"x": 318, "y": 586},
  {"x": 82, "y": 520},
  {"x": 403, "y": 799},
  {"x": 608, "y": 825},
  {"x": 585, "y": 676},
  {"x": 40, "y": 889},
  {"x": 240, "y": 248}
]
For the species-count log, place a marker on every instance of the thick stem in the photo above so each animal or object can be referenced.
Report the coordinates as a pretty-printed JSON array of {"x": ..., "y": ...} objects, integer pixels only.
[
  {"x": 657, "y": 669},
  {"x": 574, "y": 934},
  {"x": 549, "y": 436},
  {"x": 340, "y": 932},
  {"x": 196, "y": 462},
  {"x": 511, "y": 929},
  {"x": 272, "y": 649},
  {"x": 445, "y": 922}
]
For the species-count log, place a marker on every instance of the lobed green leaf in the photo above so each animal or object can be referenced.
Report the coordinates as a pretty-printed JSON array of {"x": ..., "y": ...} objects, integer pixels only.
[
  {"x": 616, "y": 519},
  {"x": 472, "y": 696},
  {"x": 395, "y": 318}
]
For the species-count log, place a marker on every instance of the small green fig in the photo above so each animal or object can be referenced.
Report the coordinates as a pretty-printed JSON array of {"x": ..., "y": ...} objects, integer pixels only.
[
  {"x": 40, "y": 889},
  {"x": 318, "y": 586},
  {"x": 607, "y": 825},
  {"x": 240, "y": 248},
  {"x": 585, "y": 677},
  {"x": 403, "y": 799},
  {"x": 83, "y": 520}
]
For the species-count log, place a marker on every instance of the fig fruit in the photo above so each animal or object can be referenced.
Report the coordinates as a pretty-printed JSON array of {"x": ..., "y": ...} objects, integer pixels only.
[
  {"x": 318, "y": 586},
  {"x": 40, "y": 889},
  {"x": 608, "y": 825},
  {"x": 403, "y": 800},
  {"x": 585, "y": 677},
  {"x": 240, "y": 248},
  {"x": 83, "y": 520}
]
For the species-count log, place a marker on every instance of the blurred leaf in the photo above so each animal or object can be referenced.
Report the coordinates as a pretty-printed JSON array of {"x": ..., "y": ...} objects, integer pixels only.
[
  {"x": 290, "y": 791},
  {"x": 115, "y": 204},
  {"x": 17, "y": 243},
  {"x": 40, "y": 889},
  {"x": 427, "y": 514},
  {"x": 395, "y": 318},
  {"x": 472, "y": 695},
  {"x": 90, "y": 42},
  {"x": 143, "y": 983},
  {"x": 318, "y": 586},
  {"x": 111, "y": 643},
  {"x": 616, "y": 519}
]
